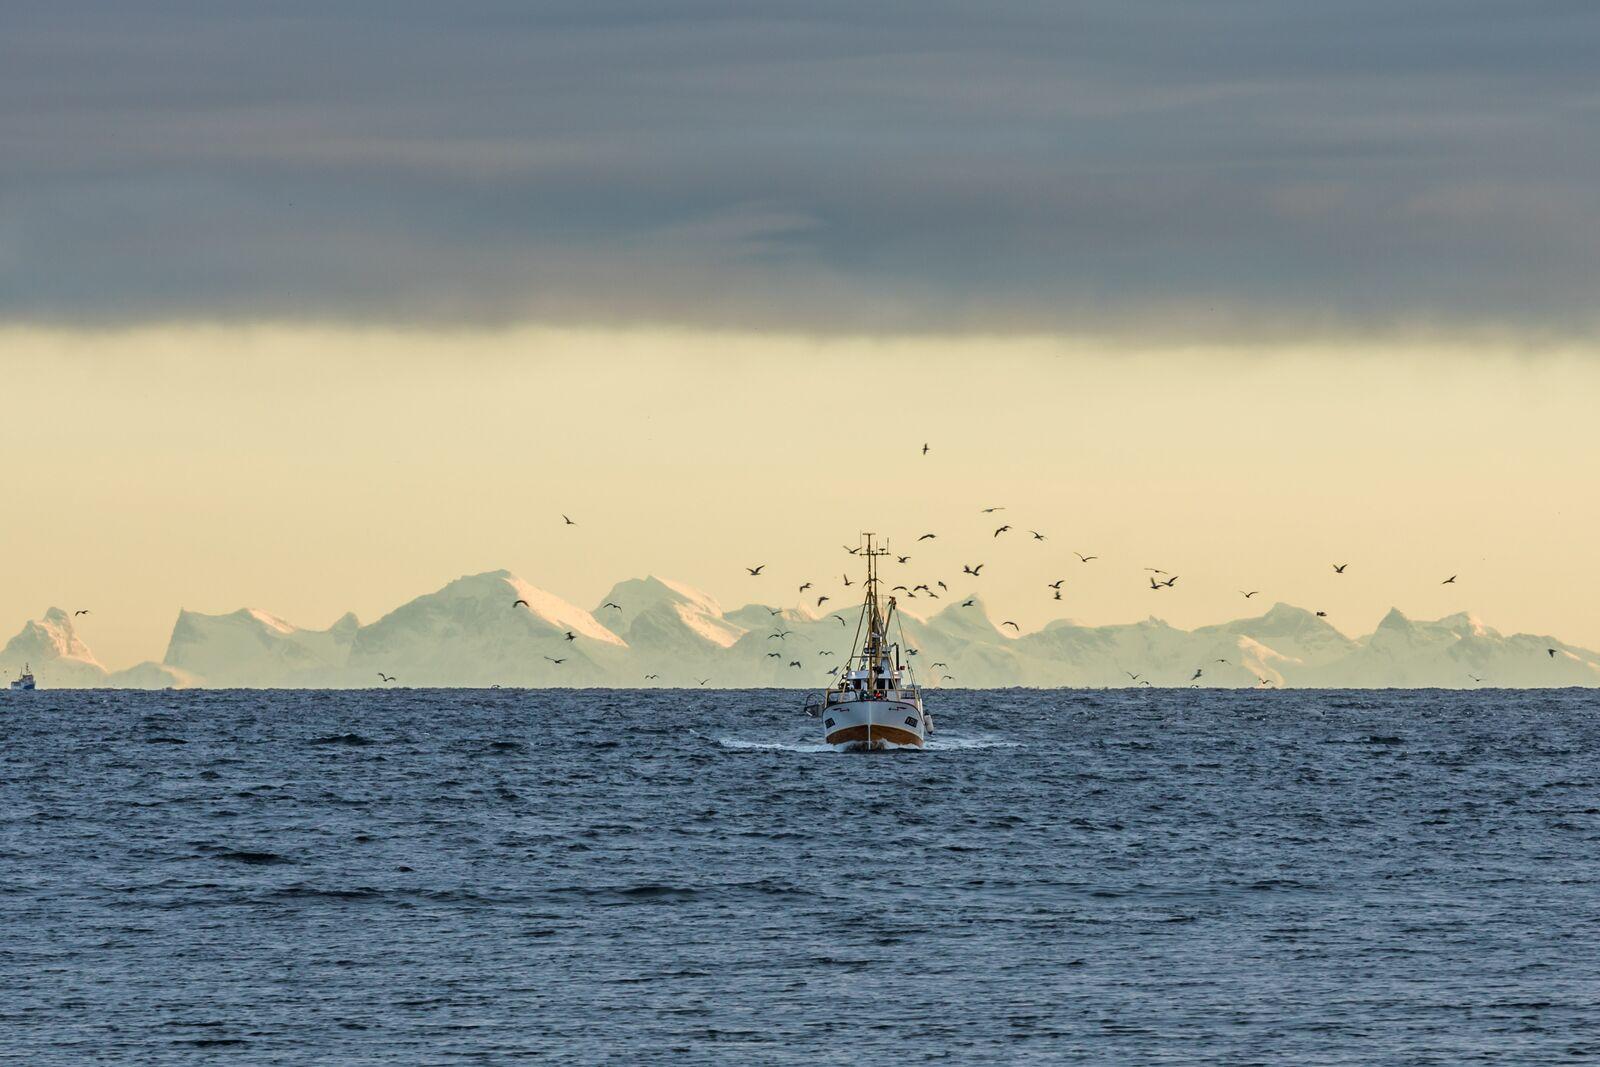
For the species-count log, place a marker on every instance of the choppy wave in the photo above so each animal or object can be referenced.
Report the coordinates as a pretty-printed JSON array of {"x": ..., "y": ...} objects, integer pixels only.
[{"x": 394, "y": 878}]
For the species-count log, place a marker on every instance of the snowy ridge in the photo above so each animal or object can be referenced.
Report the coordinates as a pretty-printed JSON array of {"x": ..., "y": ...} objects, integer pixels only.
[{"x": 656, "y": 632}]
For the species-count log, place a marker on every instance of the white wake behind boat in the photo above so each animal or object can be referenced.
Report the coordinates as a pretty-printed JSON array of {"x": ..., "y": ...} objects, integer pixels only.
[{"x": 876, "y": 704}]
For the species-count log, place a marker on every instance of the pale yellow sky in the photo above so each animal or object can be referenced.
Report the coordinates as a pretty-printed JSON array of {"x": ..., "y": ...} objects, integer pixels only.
[{"x": 309, "y": 471}]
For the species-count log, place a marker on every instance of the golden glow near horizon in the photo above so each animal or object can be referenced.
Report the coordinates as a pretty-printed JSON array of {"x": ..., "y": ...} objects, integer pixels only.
[{"x": 308, "y": 471}]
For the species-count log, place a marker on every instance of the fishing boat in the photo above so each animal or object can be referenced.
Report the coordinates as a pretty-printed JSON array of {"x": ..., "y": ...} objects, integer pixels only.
[
  {"x": 25, "y": 679},
  {"x": 876, "y": 704}
]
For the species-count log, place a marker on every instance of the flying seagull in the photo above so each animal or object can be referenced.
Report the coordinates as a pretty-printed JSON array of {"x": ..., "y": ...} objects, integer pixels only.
[
  {"x": 1055, "y": 584},
  {"x": 571, "y": 636},
  {"x": 756, "y": 570},
  {"x": 991, "y": 511},
  {"x": 774, "y": 612},
  {"x": 972, "y": 569},
  {"x": 902, "y": 559},
  {"x": 703, "y": 681},
  {"x": 1338, "y": 568},
  {"x": 1013, "y": 625},
  {"x": 1131, "y": 676},
  {"x": 1037, "y": 536},
  {"x": 1155, "y": 570},
  {"x": 568, "y": 521},
  {"x": 795, "y": 664},
  {"x": 386, "y": 677},
  {"x": 927, "y": 537},
  {"x": 1449, "y": 581},
  {"x": 941, "y": 663},
  {"x": 1322, "y": 614},
  {"x": 820, "y": 599},
  {"x": 840, "y": 618},
  {"x": 557, "y": 662},
  {"x": 1197, "y": 673},
  {"x": 967, "y": 603},
  {"x": 609, "y": 604},
  {"x": 847, "y": 582},
  {"x": 1250, "y": 594},
  {"x": 782, "y": 635},
  {"x": 80, "y": 611},
  {"x": 1001, "y": 530},
  {"x": 524, "y": 603},
  {"x": 924, "y": 448},
  {"x": 774, "y": 655},
  {"x": 803, "y": 588},
  {"x": 651, "y": 677},
  {"x": 1552, "y": 652},
  {"x": 1084, "y": 559},
  {"x": 853, "y": 551}
]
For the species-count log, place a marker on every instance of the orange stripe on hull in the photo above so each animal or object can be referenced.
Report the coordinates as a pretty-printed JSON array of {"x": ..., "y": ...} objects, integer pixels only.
[{"x": 890, "y": 735}]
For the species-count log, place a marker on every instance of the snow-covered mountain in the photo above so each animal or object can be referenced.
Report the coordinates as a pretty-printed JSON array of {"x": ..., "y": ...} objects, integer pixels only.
[{"x": 496, "y": 629}]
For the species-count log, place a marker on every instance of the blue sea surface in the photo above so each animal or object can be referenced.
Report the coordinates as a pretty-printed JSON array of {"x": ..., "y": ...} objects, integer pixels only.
[{"x": 424, "y": 876}]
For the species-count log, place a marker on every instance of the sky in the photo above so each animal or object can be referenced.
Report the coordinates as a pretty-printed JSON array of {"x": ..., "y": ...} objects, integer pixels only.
[{"x": 313, "y": 307}]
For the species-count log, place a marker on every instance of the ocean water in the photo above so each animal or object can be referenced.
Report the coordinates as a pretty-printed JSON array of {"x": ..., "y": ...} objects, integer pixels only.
[{"x": 1184, "y": 877}]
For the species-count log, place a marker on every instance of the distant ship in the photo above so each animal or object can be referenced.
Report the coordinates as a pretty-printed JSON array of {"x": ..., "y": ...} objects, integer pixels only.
[
  {"x": 876, "y": 703},
  {"x": 25, "y": 679}
]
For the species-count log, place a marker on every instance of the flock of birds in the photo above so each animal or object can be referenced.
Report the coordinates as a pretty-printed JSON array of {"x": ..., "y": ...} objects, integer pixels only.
[{"x": 1157, "y": 579}]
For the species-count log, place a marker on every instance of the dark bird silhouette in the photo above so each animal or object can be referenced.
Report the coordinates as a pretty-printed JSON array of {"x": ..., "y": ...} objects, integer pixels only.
[
  {"x": 833, "y": 670},
  {"x": 1338, "y": 568},
  {"x": 946, "y": 588},
  {"x": 824, "y": 652},
  {"x": 853, "y": 551},
  {"x": 524, "y": 603},
  {"x": 781, "y": 635},
  {"x": 971, "y": 569},
  {"x": 840, "y": 618},
  {"x": 1001, "y": 530},
  {"x": 795, "y": 664},
  {"x": 557, "y": 662},
  {"x": 1084, "y": 559},
  {"x": 1322, "y": 614},
  {"x": 967, "y": 603},
  {"x": 756, "y": 570},
  {"x": 1056, "y": 595},
  {"x": 1168, "y": 584},
  {"x": 1055, "y": 584},
  {"x": 571, "y": 636},
  {"x": 651, "y": 677},
  {"x": 847, "y": 582},
  {"x": 80, "y": 611},
  {"x": 1250, "y": 594},
  {"x": 899, "y": 589},
  {"x": 568, "y": 521},
  {"x": 703, "y": 681},
  {"x": 1131, "y": 676},
  {"x": 1013, "y": 625},
  {"x": 913, "y": 651},
  {"x": 1474, "y": 677},
  {"x": 991, "y": 511},
  {"x": 902, "y": 559},
  {"x": 924, "y": 448},
  {"x": 386, "y": 677},
  {"x": 803, "y": 588},
  {"x": 1449, "y": 581},
  {"x": 927, "y": 537},
  {"x": 1155, "y": 570},
  {"x": 774, "y": 655},
  {"x": 1552, "y": 652},
  {"x": 820, "y": 599},
  {"x": 774, "y": 612},
  {"x": 1037, "y": 536},
  {"x": 939, "y": 663},
  {"x": 609, "y": 604},
  {"x": 1197, "y": 673}
]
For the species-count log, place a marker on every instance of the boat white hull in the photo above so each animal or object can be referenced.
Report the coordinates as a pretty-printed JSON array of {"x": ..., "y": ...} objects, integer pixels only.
[{"x": 873, "y": 725}]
